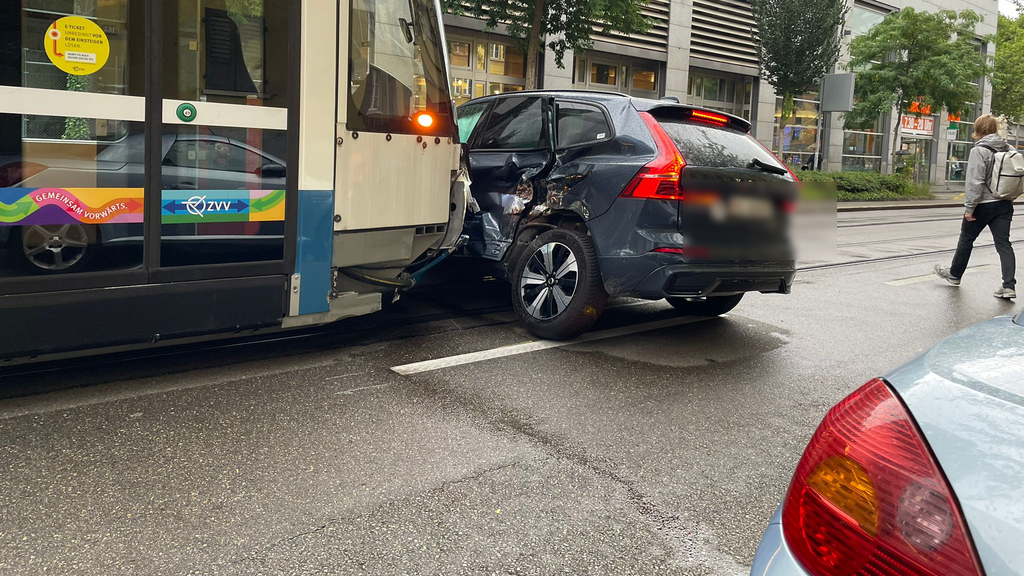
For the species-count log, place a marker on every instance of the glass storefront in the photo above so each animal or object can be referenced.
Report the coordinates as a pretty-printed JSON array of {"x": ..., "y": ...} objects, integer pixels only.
[
  {"x": 799, "y": 139},
  {"x": 862, "y": 147},
  {"x": 916, "y": 153},
  {"x": 959, "y": 146},
  {"x": 481, "y": 67}
]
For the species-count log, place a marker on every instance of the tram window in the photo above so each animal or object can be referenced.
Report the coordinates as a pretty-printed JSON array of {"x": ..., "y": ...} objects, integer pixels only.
[
  {"x": 88, "y": 218},
  {"x": 25, "y": 26},
  {"x": 226, "y": 51},
  {"x": 514, "y": 124},
  {"x": 223, "y": 195},
  {"x": 396, "y": 67}
]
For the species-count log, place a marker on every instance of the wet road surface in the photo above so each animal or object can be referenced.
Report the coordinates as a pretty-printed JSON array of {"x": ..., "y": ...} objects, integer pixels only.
[{"x": 662, "y": 444}]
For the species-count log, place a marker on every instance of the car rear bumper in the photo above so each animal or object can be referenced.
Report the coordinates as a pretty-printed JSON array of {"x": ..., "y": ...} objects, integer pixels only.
[
  {"x": 773, "y": 557},
  {"x": 695, "y": 280}
]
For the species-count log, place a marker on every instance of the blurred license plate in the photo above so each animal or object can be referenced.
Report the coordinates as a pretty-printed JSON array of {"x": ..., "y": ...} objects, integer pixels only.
[{"x": 748, "y": 207}]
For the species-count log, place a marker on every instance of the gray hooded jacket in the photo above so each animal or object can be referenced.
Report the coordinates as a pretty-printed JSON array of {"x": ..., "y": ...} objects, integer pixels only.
[{"x": 978, "y": 165}]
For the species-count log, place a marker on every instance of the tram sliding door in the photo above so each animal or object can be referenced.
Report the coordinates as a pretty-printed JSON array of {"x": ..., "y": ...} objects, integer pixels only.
[
  {"x": 225, "y": 145},
  {"x": 147, "y": 171}
]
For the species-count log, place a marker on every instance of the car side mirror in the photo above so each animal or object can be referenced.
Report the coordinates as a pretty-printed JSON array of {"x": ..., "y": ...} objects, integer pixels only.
[{"x": 272, "y": 170}]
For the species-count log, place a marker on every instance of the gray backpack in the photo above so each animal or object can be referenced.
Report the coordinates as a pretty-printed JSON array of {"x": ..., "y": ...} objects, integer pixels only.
[{"x": 1006, "y": 175}]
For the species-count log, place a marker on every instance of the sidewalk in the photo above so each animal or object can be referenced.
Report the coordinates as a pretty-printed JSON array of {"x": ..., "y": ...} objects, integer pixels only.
[{"x": 943, "y": 199}]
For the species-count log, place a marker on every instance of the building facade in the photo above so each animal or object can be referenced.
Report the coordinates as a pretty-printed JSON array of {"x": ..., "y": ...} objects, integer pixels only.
[{"x": 700, "y": 51}]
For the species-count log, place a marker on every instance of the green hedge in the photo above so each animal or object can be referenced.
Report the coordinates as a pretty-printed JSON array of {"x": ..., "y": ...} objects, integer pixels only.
[{"x": 854, "y": 186}]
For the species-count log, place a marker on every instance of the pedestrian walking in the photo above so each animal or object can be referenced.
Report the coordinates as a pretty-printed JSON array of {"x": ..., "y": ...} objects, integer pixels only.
[{"x": 984, "y": 209}]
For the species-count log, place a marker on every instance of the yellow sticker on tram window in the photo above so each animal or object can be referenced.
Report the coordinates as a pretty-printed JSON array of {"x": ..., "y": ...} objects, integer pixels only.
[{"x": 77, "y": 45}]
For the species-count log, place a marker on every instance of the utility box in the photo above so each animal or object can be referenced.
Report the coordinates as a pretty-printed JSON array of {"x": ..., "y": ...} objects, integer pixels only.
[{"x": 837, "y": 92}]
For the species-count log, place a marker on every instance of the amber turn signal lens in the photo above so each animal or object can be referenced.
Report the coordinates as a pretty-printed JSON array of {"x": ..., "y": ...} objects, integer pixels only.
[{"x": 424, "y": 120}]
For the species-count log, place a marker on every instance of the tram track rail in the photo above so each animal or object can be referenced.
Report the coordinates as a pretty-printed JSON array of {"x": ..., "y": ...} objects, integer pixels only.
[{"x": 890, "y": 258}]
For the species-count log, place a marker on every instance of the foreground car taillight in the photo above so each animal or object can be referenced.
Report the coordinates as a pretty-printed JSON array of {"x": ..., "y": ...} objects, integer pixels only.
[
  {"x": 659, "y": 179},
  {"x": 868, "y": 498}
]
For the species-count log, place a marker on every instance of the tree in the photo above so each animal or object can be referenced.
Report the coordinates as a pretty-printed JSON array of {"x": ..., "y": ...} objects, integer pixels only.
[
  {"x": 568, "y": 23},
  {"x": 1007, "y": 89},
  {"x": 797, "y": 43},
  {"x": 915, "y": 61}
]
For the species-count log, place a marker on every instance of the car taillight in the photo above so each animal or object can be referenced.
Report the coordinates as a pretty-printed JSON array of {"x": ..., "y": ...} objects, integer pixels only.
[
  {"x": 868, "y": 498},
  {"x": 709, "y": 117},
  {"x": 659, "y": 179}
]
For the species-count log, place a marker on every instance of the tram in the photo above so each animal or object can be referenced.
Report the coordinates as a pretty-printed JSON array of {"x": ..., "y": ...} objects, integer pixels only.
[{"x": 180, "y": 169}]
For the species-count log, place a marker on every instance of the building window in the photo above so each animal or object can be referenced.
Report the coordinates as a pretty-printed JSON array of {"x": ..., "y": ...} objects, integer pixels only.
[
  {"x": 501, "y": 88},
  {"x": 862, "y": 20},
  {"x": 481, "y": 67},
  {"x": 458, "y": 53},
  {"x": 645, "y": 80},
  {"x": 507, "y": 61},
  {"x": 603, "y": 74},
  {"x": 730, "y": 95}
]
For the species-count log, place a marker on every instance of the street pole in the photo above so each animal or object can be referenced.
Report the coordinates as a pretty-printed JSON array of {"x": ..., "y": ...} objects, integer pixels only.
[{"x": 817, "y": 134}]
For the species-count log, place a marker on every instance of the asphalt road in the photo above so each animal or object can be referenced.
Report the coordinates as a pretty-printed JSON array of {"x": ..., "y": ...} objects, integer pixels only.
[{"x": 661, "y": 445}]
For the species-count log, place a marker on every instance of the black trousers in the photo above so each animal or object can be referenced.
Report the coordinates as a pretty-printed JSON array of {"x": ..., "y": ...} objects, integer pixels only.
[{"x": 997, "y": 216}]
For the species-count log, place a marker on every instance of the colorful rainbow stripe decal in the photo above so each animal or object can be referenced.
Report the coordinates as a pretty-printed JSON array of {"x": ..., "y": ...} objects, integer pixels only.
[
  {"x": 31, "y": 206},
  {"x": 196, "y": 206},
  {"x": 49, "y": 206}
]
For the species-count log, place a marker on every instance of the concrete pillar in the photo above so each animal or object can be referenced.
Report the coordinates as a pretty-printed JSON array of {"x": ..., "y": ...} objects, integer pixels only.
[
  {"x": 763, "y": 118},
  {"x": 555, "y": 78},
  {"x": 677, "y": 67}
]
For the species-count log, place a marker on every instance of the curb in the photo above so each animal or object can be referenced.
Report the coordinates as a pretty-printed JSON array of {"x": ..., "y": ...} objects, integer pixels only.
[{"x": 907, "y": 206}]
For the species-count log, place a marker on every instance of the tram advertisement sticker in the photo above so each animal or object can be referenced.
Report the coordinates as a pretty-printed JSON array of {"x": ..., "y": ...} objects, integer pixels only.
[
  {"x": 52, "y": 206},
  {"x": 77, "y": 45},
  {"x": 49, "y": 206},
  {"x": 192, "y": 206}
]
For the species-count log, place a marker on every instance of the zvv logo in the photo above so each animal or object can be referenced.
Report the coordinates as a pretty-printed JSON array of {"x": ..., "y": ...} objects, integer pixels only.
[{"x": 198, "y": 206}]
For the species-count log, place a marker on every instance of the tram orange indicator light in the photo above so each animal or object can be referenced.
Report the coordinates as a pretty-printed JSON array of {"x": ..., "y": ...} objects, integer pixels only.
[{"x": 424, "y": 119}]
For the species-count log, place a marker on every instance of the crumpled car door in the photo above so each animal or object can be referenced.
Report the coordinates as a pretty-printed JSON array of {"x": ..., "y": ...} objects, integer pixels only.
[{"x": 505, "y": 163}]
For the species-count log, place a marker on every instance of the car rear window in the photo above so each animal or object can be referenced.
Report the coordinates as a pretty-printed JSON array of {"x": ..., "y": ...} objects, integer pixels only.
[
  {"x": 715, "y": 147},
  {"x": 579, "y": 123}
]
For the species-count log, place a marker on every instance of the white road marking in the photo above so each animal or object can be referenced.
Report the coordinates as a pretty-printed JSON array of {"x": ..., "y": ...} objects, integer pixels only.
[
  {"x": 516, "y": 349},
  {"x": 926, "y": 278}
]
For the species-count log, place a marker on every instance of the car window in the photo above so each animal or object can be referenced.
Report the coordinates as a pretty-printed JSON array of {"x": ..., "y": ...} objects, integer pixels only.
[
  {"x": 467, "y": 116},
  {"x": 515, "y": 123},
  {"x": 578, "y": 123},
  {"x": 715, "y": 147}
]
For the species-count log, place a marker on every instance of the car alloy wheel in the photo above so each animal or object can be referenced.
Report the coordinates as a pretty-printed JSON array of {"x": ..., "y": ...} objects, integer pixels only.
[
  {"x": 55, "y": 248},
  {"x": 549, "y": 282}
]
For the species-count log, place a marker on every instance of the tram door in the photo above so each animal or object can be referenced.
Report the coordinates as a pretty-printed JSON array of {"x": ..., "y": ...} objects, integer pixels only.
[
  {"x": 144, "y": 145},
  {"x": 225, "y": 146}
]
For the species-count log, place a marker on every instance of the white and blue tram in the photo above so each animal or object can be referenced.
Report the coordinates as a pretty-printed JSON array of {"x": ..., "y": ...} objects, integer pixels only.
[{"x": 182, "y": 169}]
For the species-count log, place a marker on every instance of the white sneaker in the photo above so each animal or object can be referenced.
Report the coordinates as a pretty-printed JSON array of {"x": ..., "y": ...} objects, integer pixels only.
[
  {"x": 1005, "y": 293},
  {"x": 943, "y": 272}
]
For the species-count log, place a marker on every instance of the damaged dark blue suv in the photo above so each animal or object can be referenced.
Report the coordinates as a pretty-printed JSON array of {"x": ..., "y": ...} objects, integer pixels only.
[{"x": 581, "y": 195}]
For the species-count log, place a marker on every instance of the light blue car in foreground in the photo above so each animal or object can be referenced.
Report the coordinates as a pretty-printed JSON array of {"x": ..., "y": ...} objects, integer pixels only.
[{"x": 918, "y": 473}]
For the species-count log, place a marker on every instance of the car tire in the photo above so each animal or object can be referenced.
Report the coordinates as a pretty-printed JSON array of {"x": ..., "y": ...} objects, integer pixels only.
[
  {"x": 42, "y": 248},
  {"x": 556, "y": 286},
  {"x": 713, "y": 306}
]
